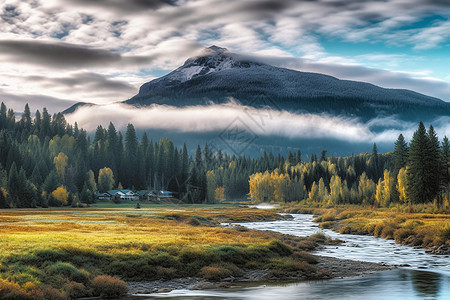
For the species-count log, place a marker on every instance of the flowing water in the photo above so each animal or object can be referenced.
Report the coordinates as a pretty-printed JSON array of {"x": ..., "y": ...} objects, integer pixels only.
[{"x": 422, "y": 276}]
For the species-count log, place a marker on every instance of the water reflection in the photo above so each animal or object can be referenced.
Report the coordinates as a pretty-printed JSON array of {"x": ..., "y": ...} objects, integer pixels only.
[
  {"x": 426, "y": 284},
  {"x": 386, "y": 285}
]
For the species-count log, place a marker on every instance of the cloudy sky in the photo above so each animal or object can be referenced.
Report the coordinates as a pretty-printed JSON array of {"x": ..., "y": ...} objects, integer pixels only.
[{"x": 54, "y": 53}]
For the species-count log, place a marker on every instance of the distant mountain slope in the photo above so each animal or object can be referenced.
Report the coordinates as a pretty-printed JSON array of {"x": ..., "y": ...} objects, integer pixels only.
[{"x": 218, "y": 75}]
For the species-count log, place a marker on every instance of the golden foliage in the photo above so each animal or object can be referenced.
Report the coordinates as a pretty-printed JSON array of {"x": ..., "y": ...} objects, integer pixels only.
[
  {"x": 61, "y": 162},
  {"x": 61, "y": 195}
]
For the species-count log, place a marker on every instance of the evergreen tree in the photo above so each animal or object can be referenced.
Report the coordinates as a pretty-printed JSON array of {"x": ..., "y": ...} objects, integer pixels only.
[
  {"x": 433, "y": 165},
  {"x": 51, "y": 182},
  {"x": 130, "y": 157},
  {"x": 400, "y": 155},
  {"x": 445, "y": 157},
  {"x": 417, "y": 166}
]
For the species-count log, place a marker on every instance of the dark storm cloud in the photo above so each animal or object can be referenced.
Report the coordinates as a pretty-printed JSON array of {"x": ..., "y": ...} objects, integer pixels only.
[
  {"x": 62, "y": 54},
  {"x": 124, "y": 6},
  {"x": 17, "y": 102},
  {"x": 87, "y": 81}
]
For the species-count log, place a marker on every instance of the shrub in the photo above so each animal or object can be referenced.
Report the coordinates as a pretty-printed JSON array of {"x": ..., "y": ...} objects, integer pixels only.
[
  {"x": 307, "y": 245},
  {"x": 319, "y": 237},
  {"x": 109, "y": 287},
  {"x": 412, "y": 224},
  {"x": 402, "y": 234},
  {"x": 54, "y": 294},
  {"x": 326, "y": 225},
  {"x": 388, "y": 230},
  {"x": 214, "y": 273},
  {"x": 165, "y": 273},
  {"x": 377, "y": 230},
  {"x": 68, "y": 270},
  {"x": 347, "y": 229},
  {"x": 76, "y": 290},
  {"x": 444, "y": 233},
  {"x": 305, "y": 256},
  {"x": 11, "y": 290},
  {"x": 289, "y": 265},
  {"x": 329, "y": 216},
  {"x": 280, "y": 248}
]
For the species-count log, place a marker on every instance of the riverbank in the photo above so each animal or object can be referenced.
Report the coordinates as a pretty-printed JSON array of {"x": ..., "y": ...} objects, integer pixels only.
[
  {"x": 430, "y": 231},
  {"x": 331, "y": 268}
]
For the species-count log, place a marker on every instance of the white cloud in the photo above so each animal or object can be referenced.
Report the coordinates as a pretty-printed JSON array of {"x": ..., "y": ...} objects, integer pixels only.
[
  {"x": 261, "y": 122},
  {"x": 144, "y": 36}
]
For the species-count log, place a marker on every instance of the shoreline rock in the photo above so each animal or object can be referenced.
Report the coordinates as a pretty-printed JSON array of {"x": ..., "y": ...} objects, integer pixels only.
[{"x": 439, "y": 250}]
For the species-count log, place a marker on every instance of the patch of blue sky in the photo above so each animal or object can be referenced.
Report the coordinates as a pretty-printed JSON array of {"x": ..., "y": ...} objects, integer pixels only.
[
  {"x": 396, "y": 58},
  {"x": 153, "y": 72},
  {"x": 425, "y": 22}
]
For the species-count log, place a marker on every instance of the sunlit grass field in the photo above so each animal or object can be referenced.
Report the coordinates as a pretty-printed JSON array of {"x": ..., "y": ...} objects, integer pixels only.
[
  {"x": 112, "y": 230},
  {"x": 62, "y": 253}
]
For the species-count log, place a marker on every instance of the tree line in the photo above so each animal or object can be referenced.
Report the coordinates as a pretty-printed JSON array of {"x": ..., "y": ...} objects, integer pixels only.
[
  {"x": 417, "y": 173},
  {"x": 44, "y": 161}
]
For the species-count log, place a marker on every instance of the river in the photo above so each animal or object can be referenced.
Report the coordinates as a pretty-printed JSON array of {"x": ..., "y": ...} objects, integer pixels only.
[{"x": 422, "y": 276}]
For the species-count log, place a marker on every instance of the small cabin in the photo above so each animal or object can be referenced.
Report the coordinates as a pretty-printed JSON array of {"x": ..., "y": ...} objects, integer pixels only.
[{"x": 165, "y": 194}]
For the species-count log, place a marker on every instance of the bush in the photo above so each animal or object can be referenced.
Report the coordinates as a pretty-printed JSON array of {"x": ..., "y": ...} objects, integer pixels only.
[
  {"x": 76, "y": 290},
  {"x": 109, "y": 287},
  {"x": 68, "y": 270},
  {"x": 402, "y": 234},
  {"x": 280, "y": 248},
  {"x": 329, "y": 216},
  {"x": 165, "y": 273},
  {"x": 305, "y": 256},
  {"x": 444, "y": 233},
  {"x": 307, "y": 245},
  {"x": 54, "y": 294},
  {"x": 388, "y": 230},
  {"x": 347, "y": 229},
  {"x": 319, "y": 237},
  {"x": 214, "y": 273},
  {"x": 11, "y": 290},
  {"x": 326, "y": 225}
]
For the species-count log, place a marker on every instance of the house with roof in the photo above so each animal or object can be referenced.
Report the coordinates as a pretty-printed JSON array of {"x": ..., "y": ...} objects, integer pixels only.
[
  {"x": 127, "y": 195},
  {"x": 103, "y": 196},
  {"x": 165, "y": 194},
  {"x": 121, "y": 195}
]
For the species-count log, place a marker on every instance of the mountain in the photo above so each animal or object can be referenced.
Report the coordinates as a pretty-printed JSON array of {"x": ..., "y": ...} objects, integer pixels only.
[{"x": 217, "y": 75}]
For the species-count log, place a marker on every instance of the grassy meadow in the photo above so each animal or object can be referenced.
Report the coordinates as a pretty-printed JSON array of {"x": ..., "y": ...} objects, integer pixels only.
[
  {"x": 72, "y": 253},
  {"x": 422, "y": 228}
]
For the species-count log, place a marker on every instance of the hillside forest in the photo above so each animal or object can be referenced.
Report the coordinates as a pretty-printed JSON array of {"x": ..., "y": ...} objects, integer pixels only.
[{"x": 44, "y": 161}]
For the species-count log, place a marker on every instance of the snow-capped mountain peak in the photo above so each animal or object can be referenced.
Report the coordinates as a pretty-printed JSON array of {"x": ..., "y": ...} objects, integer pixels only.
[{"x": 210, "y": 60}]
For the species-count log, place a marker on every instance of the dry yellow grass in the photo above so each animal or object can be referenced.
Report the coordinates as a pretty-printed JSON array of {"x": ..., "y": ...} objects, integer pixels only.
[
  {"x": 115, "y": 230},
  {"x": 57, "y": 253},
  {"x": 416, "y": 229}
]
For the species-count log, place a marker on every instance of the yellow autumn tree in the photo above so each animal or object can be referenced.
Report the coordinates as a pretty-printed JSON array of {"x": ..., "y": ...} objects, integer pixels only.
[
  {"x": 335, "y": 189},
  {"x": 219, "y": 194},
  {"x": 313, "y": 195},
  {"x": 105, "y": 179},
  {"x": 402, "y": 185},
  {"x": 92, "y": 186},
  {"x": 366, "y": 189},
  {"x": 388, "y": 185},
  {"x": 378, "y": 193},
  {"x": 61, "y": 162},
  {"x": 61, "y": 195}
]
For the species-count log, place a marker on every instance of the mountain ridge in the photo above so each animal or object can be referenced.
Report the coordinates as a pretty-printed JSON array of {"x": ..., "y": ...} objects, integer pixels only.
[{"x": 216, "y": 75}]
